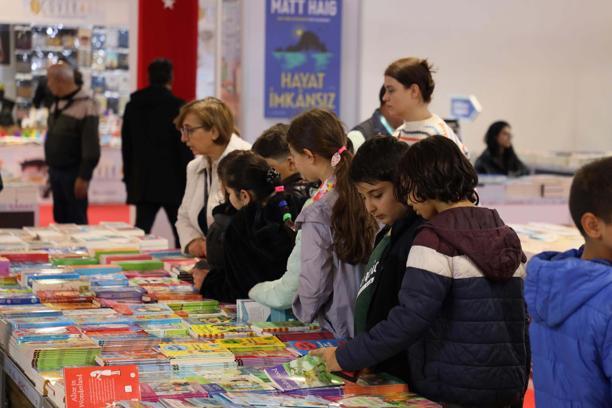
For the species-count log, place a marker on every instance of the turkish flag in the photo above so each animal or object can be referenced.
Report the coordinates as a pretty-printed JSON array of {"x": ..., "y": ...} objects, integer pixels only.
[{"x": 168, "y": 29}]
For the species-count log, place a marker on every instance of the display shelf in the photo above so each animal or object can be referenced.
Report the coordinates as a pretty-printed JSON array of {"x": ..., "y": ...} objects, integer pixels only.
[
  {"x": 13, "y": 371},
  {"x": 96, "y": 51}
]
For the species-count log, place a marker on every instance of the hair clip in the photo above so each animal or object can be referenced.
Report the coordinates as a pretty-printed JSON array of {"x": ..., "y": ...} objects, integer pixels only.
[
  {"x": 272, "y": 176},
  {"x": 337, "y": 156},
  {"x": 279, "y": 189}
]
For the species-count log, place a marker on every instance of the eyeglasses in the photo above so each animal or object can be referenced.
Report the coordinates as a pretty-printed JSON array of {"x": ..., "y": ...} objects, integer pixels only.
[{"x": 188, "y": 131}]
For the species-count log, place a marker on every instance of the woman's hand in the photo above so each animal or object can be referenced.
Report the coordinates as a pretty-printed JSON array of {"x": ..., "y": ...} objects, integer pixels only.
[
  {"x": 328, "y": 355},
  {"x": 197, "y": 248},
  {"x": 198, "y": 277}
]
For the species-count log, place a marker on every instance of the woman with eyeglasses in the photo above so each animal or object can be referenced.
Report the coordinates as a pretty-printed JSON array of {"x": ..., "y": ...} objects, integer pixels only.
[
  {"x": 207, "y": 128},
  {"x": 499, "y": 156}
]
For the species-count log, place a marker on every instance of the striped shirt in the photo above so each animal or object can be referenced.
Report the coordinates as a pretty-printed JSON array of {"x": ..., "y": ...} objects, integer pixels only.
[{"x": 412, "y": 132}]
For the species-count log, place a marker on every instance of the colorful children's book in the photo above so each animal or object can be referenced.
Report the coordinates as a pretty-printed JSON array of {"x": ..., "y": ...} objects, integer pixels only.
[
  {"x": 284, "y": 327},
  {"x": 302, "y": 347},
  {"x": 220, "y": 331},
  {"x": 375, "y": 384},
  {"x": 194, "y": 350},
  {"x": 251, "y": 344},
  {"x": 97, "y": 387},
  {"x": 143, "y": 265},
  {"x": 172, "y": 389},
  {"x": 305, "y": 372}
]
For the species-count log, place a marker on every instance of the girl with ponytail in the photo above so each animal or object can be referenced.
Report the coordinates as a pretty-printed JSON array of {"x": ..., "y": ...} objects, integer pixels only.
[
  {"x": 409, "y": 87},
  {"x": 259, "y": 237},
  {"x": 337, "y": 233}
]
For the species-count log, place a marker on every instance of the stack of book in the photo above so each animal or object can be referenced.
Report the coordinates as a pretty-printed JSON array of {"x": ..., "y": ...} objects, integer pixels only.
[{"x": 188, "y": 358}]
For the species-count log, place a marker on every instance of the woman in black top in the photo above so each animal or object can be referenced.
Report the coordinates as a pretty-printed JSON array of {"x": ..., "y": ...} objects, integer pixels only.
[{"x": 499, "y": 156}]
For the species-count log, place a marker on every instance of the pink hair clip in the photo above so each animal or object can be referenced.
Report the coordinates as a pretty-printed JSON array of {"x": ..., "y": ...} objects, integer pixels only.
[
  {"x": 279, "y": 189},
  {"x": 337, "y": 156}
]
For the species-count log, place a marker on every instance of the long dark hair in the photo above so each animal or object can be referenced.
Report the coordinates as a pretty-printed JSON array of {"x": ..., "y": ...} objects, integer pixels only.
[
  {"x": 436, "y": 169},
  {"x": 491, "y": 136},
  {"x": 353, "y": 228},
  {"x": 245, "y": 170}
]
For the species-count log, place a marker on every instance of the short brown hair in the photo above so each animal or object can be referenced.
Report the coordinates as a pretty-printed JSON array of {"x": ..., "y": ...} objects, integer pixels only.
[
  {"x": 409, "y": 71},
  {"x": 591, "y": 191},
  {"x": 213, "y": 113}
]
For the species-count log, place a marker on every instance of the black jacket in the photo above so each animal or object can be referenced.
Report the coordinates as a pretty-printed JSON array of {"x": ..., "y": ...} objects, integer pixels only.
[
  {"x": 461, "y": 314},
  {"x": 299, "y": 189},
  {"x": 388, "y": 281},
  {"x": 509, "y": 164},
  {"x": 256, "y": 246},
  {"x": 372, "y": 127},
  {"x": 154, "y": 158},
  {"x": 222, "y": 215},
  {"x": 72, "y": 140}
]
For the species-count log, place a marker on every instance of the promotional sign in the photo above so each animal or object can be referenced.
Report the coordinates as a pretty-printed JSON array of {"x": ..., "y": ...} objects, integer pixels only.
[
  {"x": 303, "y": 48},
  {"x": 465, "y": 107}
]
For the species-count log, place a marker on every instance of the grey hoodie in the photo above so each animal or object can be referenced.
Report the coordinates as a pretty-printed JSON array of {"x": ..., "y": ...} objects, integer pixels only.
[{"x": 327, "y": 285}]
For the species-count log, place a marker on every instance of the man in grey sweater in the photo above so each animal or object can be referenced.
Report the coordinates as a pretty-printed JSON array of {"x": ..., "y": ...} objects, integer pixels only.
[{"x": 72, "y": 146}]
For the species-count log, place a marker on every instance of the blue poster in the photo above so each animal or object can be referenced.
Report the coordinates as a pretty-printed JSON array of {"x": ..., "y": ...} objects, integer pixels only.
[{"x": 302, "y": 56}]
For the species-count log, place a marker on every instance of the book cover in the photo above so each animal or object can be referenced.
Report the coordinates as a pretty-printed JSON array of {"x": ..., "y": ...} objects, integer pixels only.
[
  {"x": 284, "y": 327},
  {"x": 96, "y": 387},
  {"x": 375, "y": 384},
  {"x": 302, "y": 347},
  {"x": 251, "y": 343},
  {"x": 189, "y": 350},
  {"x": 220, "y": 331},
  {"x": 305, "y": 372}
]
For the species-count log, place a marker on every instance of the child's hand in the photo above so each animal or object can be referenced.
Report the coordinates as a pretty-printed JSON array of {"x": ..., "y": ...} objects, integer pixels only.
[
  {"x": 198, "y": 277},
  {"x": 328, "y": 355}
]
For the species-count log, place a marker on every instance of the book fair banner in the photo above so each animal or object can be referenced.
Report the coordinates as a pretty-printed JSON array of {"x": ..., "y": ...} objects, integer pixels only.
[{"x": 303, "y": 45}]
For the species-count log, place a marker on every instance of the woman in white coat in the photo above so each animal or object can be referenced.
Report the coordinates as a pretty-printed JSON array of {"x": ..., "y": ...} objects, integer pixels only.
[{"x": 207, "y": 128}]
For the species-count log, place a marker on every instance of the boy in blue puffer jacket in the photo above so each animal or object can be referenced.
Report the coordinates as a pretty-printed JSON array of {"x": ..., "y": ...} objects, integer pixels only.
[{"x": 569, "y": 296}]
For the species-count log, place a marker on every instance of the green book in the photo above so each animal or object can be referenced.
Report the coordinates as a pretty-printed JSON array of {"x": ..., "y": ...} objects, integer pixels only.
[
  {"x": 141, "y": 265},
  {"x": 74, "y": 261}
]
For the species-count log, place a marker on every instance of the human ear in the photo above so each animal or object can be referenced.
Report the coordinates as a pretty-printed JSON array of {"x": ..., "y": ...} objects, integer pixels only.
[
  {"x": 310, "y": 156},
  {"x": 591, "y": 225},
  {"x": 245, "y": 197},
  {"x": 215, "y": 134}
]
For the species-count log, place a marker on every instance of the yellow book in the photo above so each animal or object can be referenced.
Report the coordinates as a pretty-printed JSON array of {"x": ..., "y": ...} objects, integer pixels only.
[
  {"x": 251, "y": 343},
  {"x": 221, "y": 331},
  {"x": 193, "y": 350}
]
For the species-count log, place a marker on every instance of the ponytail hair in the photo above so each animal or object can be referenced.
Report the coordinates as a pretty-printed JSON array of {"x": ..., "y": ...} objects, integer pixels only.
[
  {"x": 245, "y": 170},
  {"x": 352, "y": 226},
  {"x": 410, "y": 71}
]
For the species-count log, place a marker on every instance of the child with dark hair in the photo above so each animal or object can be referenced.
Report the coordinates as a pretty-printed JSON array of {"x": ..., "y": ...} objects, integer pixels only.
[
  {"x": 569, "y": 296},
  {"x": 272, "y": 146},
  {"x": 461, "y": 314},
  {"x": 259, "y": 237},
  {"x": 373, "y": 171},
  {"x": 335, "y": 233}
]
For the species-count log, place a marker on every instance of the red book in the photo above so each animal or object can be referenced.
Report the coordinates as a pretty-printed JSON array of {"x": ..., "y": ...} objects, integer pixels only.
[
  {"x": 38, "y": 257},
  {"x": 322, "y": 335},
  {"x": 109, "y": 259},
  {"x": 98, "y": 387}
]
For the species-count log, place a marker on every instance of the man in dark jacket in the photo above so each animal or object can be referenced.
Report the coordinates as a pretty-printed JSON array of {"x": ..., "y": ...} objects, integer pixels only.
[
  {"x": 72, "y": 146},
  {"x": 154, "y": 158}
]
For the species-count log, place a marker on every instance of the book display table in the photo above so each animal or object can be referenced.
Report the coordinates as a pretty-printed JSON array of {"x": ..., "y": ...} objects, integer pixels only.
[{"x": 103, "y": 315}]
